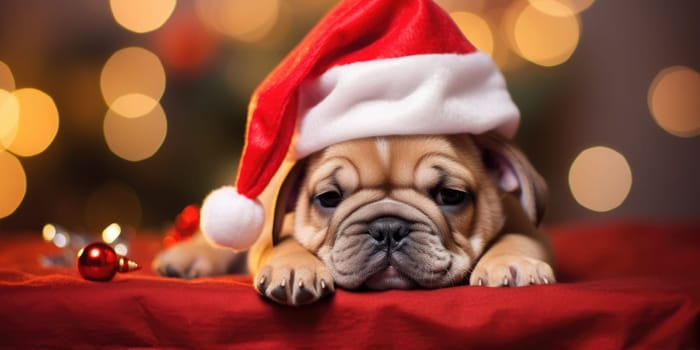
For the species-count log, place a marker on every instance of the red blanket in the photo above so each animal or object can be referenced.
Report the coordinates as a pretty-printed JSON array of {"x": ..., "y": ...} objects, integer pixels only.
[{"x": 623, "y": 285}]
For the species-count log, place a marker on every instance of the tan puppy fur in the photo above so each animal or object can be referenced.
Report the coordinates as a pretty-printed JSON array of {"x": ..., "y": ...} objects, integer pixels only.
[{"x": 403, "y": 212}]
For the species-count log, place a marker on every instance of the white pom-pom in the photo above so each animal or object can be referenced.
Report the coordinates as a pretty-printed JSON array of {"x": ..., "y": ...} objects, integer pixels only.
[{"x": 231, "y": 219}]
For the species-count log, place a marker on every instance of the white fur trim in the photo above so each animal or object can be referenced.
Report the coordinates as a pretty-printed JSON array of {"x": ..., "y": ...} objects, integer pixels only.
[
  {"x": 422, "y": 94},
  {"x": 231, "y": 219}
]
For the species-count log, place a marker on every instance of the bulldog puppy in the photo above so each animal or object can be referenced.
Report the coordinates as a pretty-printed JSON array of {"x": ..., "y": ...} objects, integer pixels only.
[{"x": 398, "y": 212}]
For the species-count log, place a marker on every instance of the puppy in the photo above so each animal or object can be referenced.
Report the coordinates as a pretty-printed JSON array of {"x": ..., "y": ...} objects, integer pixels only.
[{"x": 398, "y": 212}]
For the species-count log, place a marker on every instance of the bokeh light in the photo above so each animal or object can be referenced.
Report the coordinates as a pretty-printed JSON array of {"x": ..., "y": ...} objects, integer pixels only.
[
  {"x": 462, "y": 5},
  {"x": 674, "y": 101},
  {"x": 244, "y": 20},
  {"x": 9, "y": 116},
  {"x": 476, "y": 29},
  {"x": 554, "y": 7},
  {"x": 133, "y": 70},
  {"x": 135, "y": 139},
  {"x": 13, "y": 184},
  {"x": 37, "y": 124},
  {"x": 112, "y": 202},
  {"x": 48, "y": 232},
  {"x": 7, "y": 80},
  {"x": 61, "y": 239},
  {"x": 121, "y": 249},
  {"x": 111, "y": 233},
  {"x": 141, "y": 16},
  {"x": 600, "y": 179},
  {"x": 133, "y": 105},
  {"x": 542, "y": 38},
  {"x": 185, "y": 44}
]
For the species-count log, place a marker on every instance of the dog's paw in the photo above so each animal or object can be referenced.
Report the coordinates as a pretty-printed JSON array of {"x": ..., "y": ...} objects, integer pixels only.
[
  {"x": 291, "y": 282},
  {"x": 197, "y": 258},
  {"x": 511, "y": 271}
]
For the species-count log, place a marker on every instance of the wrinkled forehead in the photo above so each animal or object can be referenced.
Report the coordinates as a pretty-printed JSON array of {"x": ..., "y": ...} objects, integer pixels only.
[{"x": 382, "y": 161}]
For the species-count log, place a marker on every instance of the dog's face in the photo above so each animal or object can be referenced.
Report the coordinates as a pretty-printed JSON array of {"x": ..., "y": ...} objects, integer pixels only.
[{"x": 406, "y": 212}]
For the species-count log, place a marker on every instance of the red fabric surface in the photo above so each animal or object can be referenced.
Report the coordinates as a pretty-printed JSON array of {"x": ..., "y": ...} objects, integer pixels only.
[{"x": 624, "y": 285}]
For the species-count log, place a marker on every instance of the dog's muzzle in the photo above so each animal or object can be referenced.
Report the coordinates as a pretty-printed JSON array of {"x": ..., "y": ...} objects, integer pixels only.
[
  {"x": 382, "y": 245},
  {"x": 389, "y": 231}
]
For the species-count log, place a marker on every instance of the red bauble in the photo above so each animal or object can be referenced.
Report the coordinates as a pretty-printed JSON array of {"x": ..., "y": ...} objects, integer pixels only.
[
  {"x": 186, "y": 224},
  {"x": 99, "y": 262}
]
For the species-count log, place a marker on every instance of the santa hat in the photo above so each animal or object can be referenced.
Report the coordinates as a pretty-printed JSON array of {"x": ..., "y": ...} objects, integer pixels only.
[{"x": 368, "y": 68}]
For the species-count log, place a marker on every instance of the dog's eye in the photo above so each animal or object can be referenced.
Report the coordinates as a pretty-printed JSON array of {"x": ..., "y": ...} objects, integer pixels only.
[
  {"x": 451, "y": 197},
  {"x": 329, "y": 200}
]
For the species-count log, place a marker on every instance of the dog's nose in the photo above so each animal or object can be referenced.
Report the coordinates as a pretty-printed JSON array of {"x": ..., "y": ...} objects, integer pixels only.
[{"x": 389, "y": 230}]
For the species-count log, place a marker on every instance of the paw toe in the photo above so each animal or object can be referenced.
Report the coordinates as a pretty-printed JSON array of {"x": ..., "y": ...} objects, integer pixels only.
[
  {"x": 170, "y": 271},
  {"x": 278, "y": 293},
  {"x": 511, "y": 271},
  {"x": 303, "y": 295}
]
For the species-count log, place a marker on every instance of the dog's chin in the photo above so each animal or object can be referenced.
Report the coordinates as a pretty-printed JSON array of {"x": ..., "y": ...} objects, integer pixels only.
[{"x": 389, "y": 278}]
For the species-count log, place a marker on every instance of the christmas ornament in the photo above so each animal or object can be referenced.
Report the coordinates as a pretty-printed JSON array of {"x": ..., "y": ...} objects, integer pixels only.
[
  {"x": 369, "y": 68},
  {"x": 186, "y": 224},
  {"x": 70, "y": 242},
  {"x": 99, "y": 262}
]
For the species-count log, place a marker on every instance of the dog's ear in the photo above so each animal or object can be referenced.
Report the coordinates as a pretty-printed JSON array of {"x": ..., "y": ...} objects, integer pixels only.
[
  {"x": 514, "y": 174},
  {"x": 285, "y": 199}
]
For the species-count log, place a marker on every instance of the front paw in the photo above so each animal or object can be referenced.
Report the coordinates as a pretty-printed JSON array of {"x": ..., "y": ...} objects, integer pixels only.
[
  {"x": 511, "y": 271},
  {"x": 289, "y": 282}
]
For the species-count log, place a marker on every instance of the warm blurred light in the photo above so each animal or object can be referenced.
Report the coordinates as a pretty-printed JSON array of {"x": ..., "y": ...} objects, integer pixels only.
[
  {"x": 135, "y": 139},
  {"x": 13, "y": 184},
  {"x": 674, "y": 101},
  {"x": 121, "y": 249},
  {"x": 185, "y": 45},
  {"x": 133, "y": 105},
  {"x": 48, "y": 232},
  {"x": 544, "y": 39},
  {"x": 113, "y": 202},
  {"x": 9, "y": 117},
  {"x": 141, "y": 16},
  {"x": 132, "y": 70},
  {"x": 111, "y": 233},
  {"x": 243, "y": 20},
  {"x": 37, "y": 124},
  {"x": 7, "y": 81},
  {"x": 600, "y": 179},
  {"x": 61, "y": 239},
  {"x": 554, "y": 7},
  {"x": 476, "y": 29},
  {"x": 461, "y": 5}
]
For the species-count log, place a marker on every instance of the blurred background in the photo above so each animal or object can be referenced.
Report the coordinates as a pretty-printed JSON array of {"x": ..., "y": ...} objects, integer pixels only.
[{"x": 129, "y": 110}]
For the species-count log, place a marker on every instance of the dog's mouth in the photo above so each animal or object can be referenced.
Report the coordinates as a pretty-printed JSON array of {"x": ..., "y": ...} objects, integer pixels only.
[{"x": 389, "y": 278}]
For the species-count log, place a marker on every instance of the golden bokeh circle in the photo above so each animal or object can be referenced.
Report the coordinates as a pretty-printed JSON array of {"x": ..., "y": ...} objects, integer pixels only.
[
  {"x": 674, "y": 101},
  {"x": 600, "y": 179},
  {"x": 554, "y": 7},
  {"x": 476, "y": 29},
  {"x": 13, "y": 184},
  {"x": 141, "y": 16},
  {"x": 9, "y": 117},
  {"x": 544, "y": 39},
  {"x": 248, "y": 21},
  {"x": 133, "y": 105},
  {"x": 37, "y": 124},
  {"x": 132, "y": 70},
  {"x": 7, "y": 80},
  {"x": 135, "y": 139}
]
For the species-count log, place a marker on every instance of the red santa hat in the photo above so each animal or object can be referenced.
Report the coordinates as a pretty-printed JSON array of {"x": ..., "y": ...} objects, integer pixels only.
[{"x": 368, "y": 68}]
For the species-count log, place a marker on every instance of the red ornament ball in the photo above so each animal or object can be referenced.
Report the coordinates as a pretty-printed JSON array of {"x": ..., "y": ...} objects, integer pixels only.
[{"x": 99, "y": 262}]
